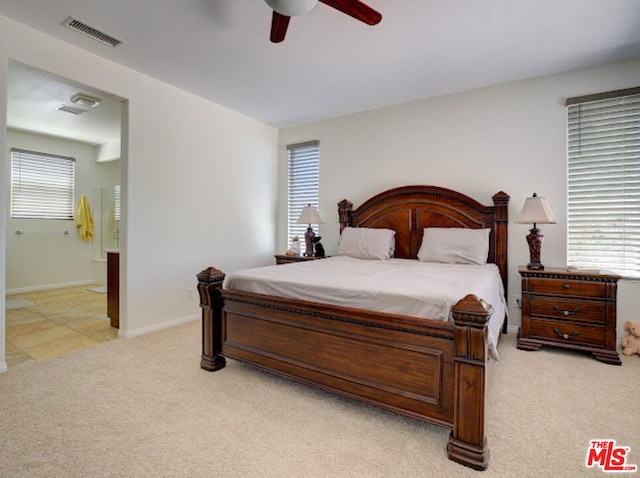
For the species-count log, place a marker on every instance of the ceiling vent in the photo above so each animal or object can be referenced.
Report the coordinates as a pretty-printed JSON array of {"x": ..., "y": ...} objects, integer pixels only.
[
  {"x": 94, "y": 33},
  {"x": 71, "y": 109},
  {"x": 85, "y": 101}
]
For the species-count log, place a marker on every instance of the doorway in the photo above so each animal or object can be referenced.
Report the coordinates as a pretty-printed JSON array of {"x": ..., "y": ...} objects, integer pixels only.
[{"x": 47, "y": 263}]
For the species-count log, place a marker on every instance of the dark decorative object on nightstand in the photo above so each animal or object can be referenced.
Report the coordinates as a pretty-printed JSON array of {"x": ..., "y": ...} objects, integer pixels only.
[{"x": 318, "y": 248}]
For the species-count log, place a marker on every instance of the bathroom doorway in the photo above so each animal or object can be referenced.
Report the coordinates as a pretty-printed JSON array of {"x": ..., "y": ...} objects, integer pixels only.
[{"x": 47, "y": 263}]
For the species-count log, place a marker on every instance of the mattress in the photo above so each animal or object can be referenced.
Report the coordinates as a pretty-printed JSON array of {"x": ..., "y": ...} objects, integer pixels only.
[{"x": 396, "y": 286}]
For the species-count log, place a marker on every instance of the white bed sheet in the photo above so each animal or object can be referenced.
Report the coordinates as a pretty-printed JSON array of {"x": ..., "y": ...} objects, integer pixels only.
[{"x": 397, "y": 286}]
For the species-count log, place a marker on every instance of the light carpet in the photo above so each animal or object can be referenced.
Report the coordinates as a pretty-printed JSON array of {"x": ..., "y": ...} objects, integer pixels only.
[{"x": 142, "y": 407}]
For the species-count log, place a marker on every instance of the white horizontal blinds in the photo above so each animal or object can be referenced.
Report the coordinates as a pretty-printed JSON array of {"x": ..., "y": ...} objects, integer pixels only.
[
  {"x": 42, "y": 186},
  {"x": 116, "y": 202},
  {"x": 304, "y": 184},
  {"x": 604, "y": 182}
]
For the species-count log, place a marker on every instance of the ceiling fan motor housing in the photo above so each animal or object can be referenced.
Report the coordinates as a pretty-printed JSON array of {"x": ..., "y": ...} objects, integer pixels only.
[{"x": 291, "y": 8}]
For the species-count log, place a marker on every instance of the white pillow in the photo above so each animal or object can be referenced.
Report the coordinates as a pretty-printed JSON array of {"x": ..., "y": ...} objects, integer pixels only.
[
  {"x": 367, "y": 243},
  {"x": 455, "y": 245}
]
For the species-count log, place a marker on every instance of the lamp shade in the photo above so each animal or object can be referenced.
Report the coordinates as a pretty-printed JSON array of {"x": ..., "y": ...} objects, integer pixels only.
[
  {"x": 309, "y": 215},
  {"x": 291, "y": 8},
  {"x": 536, "y": 210}
]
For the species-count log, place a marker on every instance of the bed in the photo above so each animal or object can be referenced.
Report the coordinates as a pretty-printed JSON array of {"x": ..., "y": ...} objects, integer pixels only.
[{"x": 428, "y": 369}]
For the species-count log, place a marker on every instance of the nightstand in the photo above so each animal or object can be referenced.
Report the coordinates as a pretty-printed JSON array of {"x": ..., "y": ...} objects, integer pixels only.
[
  {"x": 573, "y": 309},
  {"x": 284, "y": 259}
]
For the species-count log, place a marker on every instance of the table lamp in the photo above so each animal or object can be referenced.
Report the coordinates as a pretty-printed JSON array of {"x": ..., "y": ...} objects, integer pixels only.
[
  {"x": 535, "y": 211},
  {"x": 309, "y": 215}
]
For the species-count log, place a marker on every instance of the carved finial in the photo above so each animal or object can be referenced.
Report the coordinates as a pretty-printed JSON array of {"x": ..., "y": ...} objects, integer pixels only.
[
  {"x": 501, "y": 198},
  {"x": 211, "y": 274},
  {"x": 472, "y": 309},
  {"x": 344, "y": 213}
]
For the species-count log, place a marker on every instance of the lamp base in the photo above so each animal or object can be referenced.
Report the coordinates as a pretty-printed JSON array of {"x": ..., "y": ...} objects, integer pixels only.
[
  {"x": 308, "y": 242},
  {"x": 534, "y": 239}
]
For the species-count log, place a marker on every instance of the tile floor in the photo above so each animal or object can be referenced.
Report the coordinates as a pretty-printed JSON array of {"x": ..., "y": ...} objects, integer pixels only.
[{"x": 61, "y": 321}]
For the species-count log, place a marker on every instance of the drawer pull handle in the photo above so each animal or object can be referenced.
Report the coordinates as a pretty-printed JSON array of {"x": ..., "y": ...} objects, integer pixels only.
[
  {"x": 566, "y": 312},
  {"x": 567, "y": 286},
  {"x": 566, "y": 336}
]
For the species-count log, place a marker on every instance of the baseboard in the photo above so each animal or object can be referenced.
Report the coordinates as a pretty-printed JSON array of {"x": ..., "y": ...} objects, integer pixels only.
[
  {"x": 36, "y": 288},
  {"x": 512, "y": 329},
  {"x": 127, "y": 334}
]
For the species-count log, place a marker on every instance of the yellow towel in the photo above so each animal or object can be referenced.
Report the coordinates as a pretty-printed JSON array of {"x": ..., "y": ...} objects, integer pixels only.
[{"x": 84, "y": 221}]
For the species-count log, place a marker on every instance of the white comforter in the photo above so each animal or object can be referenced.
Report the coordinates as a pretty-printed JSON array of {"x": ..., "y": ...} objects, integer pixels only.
[{"x": 397, "y": 286}]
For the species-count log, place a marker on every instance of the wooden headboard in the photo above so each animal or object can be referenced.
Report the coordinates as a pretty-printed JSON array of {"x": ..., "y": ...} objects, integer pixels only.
[{"x": 409, "y": 209}]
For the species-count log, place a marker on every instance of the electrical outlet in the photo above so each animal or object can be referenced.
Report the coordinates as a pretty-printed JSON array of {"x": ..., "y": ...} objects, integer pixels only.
[
  {"x": 189, "y": 294},
  {"x": 517, "y": 300}
]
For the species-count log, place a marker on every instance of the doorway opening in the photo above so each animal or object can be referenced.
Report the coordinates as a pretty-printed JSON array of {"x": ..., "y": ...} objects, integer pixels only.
[{"x": 56, "y": 280}]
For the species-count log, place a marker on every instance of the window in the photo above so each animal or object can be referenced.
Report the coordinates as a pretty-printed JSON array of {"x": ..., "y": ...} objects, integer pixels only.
[
  {"x": 604, "y": 182},
  {"x": 116, "y": 202},
  {"x": 42, "y": 186},
  {"x": 304, "y": 184}
]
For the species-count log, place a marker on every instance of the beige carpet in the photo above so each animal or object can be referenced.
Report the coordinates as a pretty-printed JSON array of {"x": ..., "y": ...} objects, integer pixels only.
[{"x": 142, "y": 407}]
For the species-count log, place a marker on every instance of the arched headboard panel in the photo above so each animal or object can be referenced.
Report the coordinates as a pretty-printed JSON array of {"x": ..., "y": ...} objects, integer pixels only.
[{"x": 409, "y": 210}]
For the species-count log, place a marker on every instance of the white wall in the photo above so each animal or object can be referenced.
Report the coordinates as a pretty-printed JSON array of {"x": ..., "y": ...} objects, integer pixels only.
[
  {"x": 4, "y": 173},
  {"x": 43, "y": 256},
  {"x": 509, "y": 137},
  {"x": 198, "y": 181}
]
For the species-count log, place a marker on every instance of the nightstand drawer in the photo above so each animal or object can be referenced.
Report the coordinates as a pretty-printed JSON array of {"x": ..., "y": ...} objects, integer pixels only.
[
  {"x": 568, "y": 309},
  {"x": 567, "y": 287},
  {"x": 566, "y": 333}
]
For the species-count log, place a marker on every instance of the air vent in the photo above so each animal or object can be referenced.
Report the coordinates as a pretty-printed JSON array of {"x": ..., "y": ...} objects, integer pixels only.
[
  {"x": 94, "y": 33},
  {"x": 71, "y": 109},
  {"x": 85, "y": 101}
]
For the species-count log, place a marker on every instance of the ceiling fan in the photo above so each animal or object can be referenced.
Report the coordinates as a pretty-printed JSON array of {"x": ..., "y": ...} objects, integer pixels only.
[{"x": 283, "y": 10}]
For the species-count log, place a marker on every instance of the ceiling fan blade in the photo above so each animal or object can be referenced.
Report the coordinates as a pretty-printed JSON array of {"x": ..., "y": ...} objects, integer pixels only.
[
  {"x": 279, "y": 24},
  {"x": 356, "y": 9}
]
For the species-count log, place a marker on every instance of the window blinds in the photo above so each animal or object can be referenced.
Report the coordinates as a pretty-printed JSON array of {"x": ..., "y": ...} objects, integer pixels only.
[
  {"x": 304, "y": 184},
  {"x": 604, "y": 183},
  {"x": 42, "y": 186},
  {"x": 116, "y": 202}
]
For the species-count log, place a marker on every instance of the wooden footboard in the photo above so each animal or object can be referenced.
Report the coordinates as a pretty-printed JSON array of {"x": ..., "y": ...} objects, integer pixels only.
[{"x": 426, "y": 369}]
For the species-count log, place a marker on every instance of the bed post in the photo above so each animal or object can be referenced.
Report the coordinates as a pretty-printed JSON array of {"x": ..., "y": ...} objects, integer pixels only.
[
  {"x": 344, "y": 213},
  {"x": 501, "y": 219},
  {"x": 467, "y": 442},
  {"x": 209, "y": 285}
]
